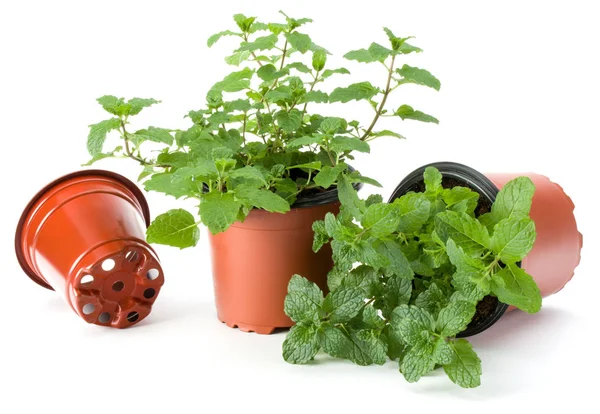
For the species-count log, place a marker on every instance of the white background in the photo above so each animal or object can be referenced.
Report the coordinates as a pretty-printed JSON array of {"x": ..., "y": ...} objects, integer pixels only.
[{"x": 519, "y": 93}]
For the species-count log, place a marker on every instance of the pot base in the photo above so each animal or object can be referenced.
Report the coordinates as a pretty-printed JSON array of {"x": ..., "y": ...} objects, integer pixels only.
[
  {"x": 116, "y": 284},
  {"x": 259, "y": 329}
]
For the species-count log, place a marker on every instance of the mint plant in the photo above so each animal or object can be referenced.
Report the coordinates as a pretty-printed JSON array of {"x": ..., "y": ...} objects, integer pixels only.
[
  {"x": 409, "y": 275},
  {"x": 259, "y": 140}
]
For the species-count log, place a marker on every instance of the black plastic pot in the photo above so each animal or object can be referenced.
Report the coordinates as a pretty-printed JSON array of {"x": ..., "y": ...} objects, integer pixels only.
[{"x": 456, "y": 174}]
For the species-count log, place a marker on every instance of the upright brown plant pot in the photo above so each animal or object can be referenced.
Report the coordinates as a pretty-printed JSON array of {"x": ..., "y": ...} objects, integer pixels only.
[
  {"x": 557, "y": 249},
  {"x": 254, "y": 261},
  {"x": 83, "y": 236}
]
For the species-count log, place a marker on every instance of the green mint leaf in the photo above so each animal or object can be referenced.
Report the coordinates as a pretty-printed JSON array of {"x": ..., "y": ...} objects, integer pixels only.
[
  {"x": 243, "y": 22},
  {"x": 397, "y": 263},
  {"x": 176, "y": 228},
  {"x": 455, "y": 317},
  {"x": 414, "y": 210},
  {"x": 470, "y": 277},
  {"x": 328, "y": 72},
  {"x": 289, "y": 121},
  {"x": 406, "y": 48},
  {"x": 375, "y": 53},
  {"x": 331, "y": 125},
  {"x": 137, "y": 104},
  {"x": 443, "y": 352},
  {"x": 97, "y": 135},
  {"x": 369, "y": 318},
  {"x": 465, "y": 368},
  {"x": 237, "y": 58},
  {"x": 237, "y": 105},
  {"x": 301, "y": 344},
  {"x": 365, "y": 253},
  {"x": 328, "y": 175},
  {"x": 367, "y": 347},
  {"x": 319, "y": 58},
  {"x": 299, "y": 66},
  {"x": 299, "y": 41},
  {"x": 407, "y": 112},
  {"x": 432, "y": 300},
  {"x": 465, "y": 230},
  {"x": 311, "y": 290},
  {"x": 113, "y": 105},
  {"x": 356, "y": 91},
  {"x": 249, "y": 173},
  {"x": 373, "y": 199},
  {"x": 334, "y": 342},
  {"x": 154, "y": 134},
  {"x": 418, "y": 76},
  {"x": 433, "y": 181},
  {"x": 513, "y": 239},
  {"x": 349, "y": 197},
  {"x": 385, "y": 133},
  {"x": 270, "y": 73},
  {"x": 103, "y": 155},
  {"x": 262, "y": 198},
  {"x": 306, "y": 140},
  {"x": 412, "y": 323},
  {"x": 417, "y": 362},
  {"x": 215, "y": 38},
  {"x": 344, "y": 304},
  {"x": 167, "y": 184},
  {"x": 260, "y": 43},
  {"x": 514, "y": 200},
  {"x": 218, "y": 211},
  {"x": 381, "y": 219},
  {"x": 355, "y": 177},
  {"x": 303, "y": 301},
  {"x": 397, "y": 291},
  {"x": 363, "y": 277},
  {"x": 460, "y": 199},
  {"x": 515, "y": 287},
  {"x": 321, "y": 236},
  {"x": 315, "y": 96},
  {"x": 341, "y": 144}
]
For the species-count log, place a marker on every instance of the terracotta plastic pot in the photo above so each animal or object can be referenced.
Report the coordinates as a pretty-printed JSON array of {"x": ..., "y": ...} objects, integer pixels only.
[
  {"x": 83, "y": 236},
  {"x": 557, "y": 249},
  {"x": 254, "y": 261}
]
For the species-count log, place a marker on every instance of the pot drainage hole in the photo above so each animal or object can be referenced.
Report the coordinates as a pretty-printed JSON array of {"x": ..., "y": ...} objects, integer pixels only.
[
  {"x": 88, "y": 308},
  {"x": 108, "y": 265},
  {"x": 118, "y": 286},
  {"x": 152, "y": 274},
  {"x": 133, "y": 316},
  {"x": 104, "y": 317},
  {"x": 149, "y": 293}
]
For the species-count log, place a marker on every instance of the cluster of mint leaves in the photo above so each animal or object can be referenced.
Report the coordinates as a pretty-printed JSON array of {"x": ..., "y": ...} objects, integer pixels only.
[
  {"x": 408, "y": 276},
  {"x": 257, "y": 143}
]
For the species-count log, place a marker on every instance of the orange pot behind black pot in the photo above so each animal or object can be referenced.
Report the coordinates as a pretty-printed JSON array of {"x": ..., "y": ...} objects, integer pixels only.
[{"x": 83, "y": 236}]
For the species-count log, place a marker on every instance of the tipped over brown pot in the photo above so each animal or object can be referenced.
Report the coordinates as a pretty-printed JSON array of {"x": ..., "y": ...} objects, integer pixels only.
[
  {"x": 83, "y": 235},
  {"x": 557, "y": 248},
  {"x": 254, "y": 261}
]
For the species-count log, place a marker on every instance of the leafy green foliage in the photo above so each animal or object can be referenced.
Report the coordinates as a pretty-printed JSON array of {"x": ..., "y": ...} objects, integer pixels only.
[
  {"x": 259, "y": 141},
  {"x": 408, "y": 277}
]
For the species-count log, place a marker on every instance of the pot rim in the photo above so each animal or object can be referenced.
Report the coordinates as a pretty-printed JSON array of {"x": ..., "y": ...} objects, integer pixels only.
[
  {"x": 486, "y": 188},
  {"x": 83, "y": 173}
]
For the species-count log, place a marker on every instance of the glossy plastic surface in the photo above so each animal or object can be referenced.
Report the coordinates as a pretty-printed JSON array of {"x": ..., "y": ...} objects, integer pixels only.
[
  {"x": 557, "y": 249},
  {"x": 253, "y": 262},
  {"x": 83, "y": 236}
]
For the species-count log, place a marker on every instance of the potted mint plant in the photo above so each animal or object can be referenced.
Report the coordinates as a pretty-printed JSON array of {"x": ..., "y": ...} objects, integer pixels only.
[
  {"x": 441, "y": 261},
  {"x": 262, "y": 160}
]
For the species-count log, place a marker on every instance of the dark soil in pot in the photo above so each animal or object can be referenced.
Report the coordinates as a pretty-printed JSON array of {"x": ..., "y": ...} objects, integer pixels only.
[{"x": 489, "y": 309}]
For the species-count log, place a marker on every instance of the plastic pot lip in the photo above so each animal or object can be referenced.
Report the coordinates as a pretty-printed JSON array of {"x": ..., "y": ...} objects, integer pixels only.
[
  {"x": 486, "y": 188},
  {"x": 83, "y": 173},
  {"x": 317, "y": 199}
]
